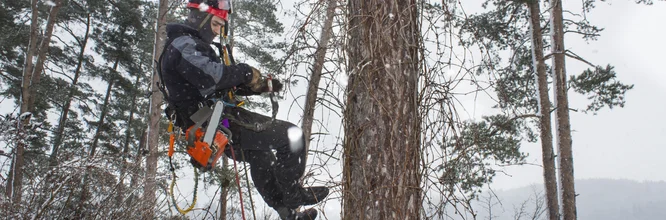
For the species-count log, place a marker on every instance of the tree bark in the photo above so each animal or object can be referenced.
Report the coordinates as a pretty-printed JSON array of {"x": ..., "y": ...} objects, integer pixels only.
[
  {"x": 381, "y": 178},
  {"x": 32, "y": 49},
  {"x": 155, "y": 112},
  {"x": 564, "y": 144},
  {"x": 315, "y": 78},
  {"x": 547, "y": 155}
]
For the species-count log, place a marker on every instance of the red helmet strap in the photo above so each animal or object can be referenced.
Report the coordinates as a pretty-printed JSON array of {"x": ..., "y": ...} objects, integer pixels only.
[{"x": 224, "y": 14}]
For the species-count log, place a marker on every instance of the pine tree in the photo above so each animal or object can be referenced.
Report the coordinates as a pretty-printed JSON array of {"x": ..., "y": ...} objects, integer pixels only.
[
  {"x": 461, "y": 155},
  {"x": 115, "y": 42},
  {"x": 317, "y": 69},
  {"x": 563, "y": 129},
  {"x": 75, "y": 60},
  {"x": 521, "y": 82}
]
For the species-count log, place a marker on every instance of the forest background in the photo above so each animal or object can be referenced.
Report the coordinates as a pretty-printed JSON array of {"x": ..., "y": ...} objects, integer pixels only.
[{"x": 621, "y": 143}]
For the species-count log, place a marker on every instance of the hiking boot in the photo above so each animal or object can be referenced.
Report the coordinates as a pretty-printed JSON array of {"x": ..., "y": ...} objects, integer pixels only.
[
  {"x": 290, "y": 214},
  {"x": 304, "y": 196}
]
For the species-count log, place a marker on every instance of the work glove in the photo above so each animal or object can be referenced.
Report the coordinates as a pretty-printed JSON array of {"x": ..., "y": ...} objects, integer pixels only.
[{"x": 259, "y": 83}]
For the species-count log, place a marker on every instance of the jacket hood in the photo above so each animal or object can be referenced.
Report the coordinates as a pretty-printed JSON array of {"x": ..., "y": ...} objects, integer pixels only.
[
  {"x": 200, "y": 21},
  {"x": 177, "y": 30}
]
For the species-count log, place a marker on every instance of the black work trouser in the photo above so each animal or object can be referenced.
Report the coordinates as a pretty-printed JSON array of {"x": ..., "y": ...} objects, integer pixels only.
[{"x": 276, "y": 162}]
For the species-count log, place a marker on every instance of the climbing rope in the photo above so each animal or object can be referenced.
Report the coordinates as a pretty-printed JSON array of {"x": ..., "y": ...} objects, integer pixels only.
[
  {"x": 240, "y": 192},
  {"x": 172, "y": 140},
  {"x": 225, "y": 51},
  {"x": 247, "y": 183},
  {"x": 173, "y": 183}
]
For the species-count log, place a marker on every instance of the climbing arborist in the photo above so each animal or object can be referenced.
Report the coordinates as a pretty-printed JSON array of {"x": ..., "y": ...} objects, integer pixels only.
[{"x": 193, "y": 73}]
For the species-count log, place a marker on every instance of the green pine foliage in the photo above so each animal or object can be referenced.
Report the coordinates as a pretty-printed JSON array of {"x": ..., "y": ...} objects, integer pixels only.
[
  {"x": 601, "y": 87},
  {"x": 255, "y": 27},
  {"x": 477, "y": 147}
]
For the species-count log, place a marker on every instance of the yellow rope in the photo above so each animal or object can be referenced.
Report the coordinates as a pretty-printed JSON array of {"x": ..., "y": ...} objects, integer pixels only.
[
  {"x": 172, "y": 138},
  {"x": 223, "y": 42},
  {"x": 173, "y": 198}
]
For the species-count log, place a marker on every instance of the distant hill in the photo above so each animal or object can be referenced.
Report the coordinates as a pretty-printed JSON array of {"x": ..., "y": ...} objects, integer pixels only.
[{"x": 598, "y": 199}]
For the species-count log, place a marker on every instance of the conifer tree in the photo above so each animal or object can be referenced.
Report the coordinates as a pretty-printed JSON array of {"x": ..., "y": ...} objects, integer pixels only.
[
  {"x": 521, "y": 82},
  {"x": 76, "y": 60}
]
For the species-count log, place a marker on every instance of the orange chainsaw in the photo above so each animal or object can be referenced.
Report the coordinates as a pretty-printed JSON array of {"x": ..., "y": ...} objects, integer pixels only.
[{"x": 204, "y": 148}]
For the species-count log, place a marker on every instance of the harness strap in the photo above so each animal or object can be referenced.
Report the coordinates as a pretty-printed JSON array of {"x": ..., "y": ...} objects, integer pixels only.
[{"x": 257, "y": 127}]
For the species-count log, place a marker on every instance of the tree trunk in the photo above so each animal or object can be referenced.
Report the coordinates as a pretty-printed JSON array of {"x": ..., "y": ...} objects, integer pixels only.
[
  {"x": 547, "y": 155},
  {"x": 126, "y": 152},
  {"x": 15, "y": 176},
  {"x": 53, "y": 159},
  {"x": 31, "y": 75},
  {"x": 155, "y": 112},
  {"x": 32, "y": 49},
  {"x": 567, "y": 192},
  {"x": 93, "y": 147},
  {"x": 128, "y": 132},
  {"x": 135, "y": 170},
  {"x": 315, "y": 78},
  {"x": 105, "y": 110},
  {"x": 43, "y": 49},
  {"x": 225, "y": 193},
  {"x": 381, "y": 178}
]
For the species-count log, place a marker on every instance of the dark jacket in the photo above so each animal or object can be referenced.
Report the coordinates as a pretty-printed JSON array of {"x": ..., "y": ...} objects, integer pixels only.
[{"x": 192, "y": 71}]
